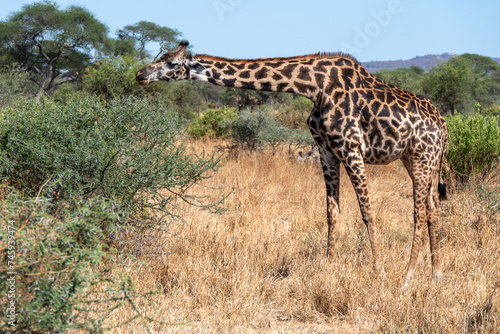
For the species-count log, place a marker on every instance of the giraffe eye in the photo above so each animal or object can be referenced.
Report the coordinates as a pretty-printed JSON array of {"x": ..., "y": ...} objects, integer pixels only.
[{"x": 171, "y": 64}]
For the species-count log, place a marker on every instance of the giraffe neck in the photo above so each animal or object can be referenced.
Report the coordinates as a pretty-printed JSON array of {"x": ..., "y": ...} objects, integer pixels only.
[{"x": 303, "y": 76}]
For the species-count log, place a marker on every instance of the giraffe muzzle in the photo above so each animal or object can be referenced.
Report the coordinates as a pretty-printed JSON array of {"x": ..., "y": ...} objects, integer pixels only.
[
  {"x": 140, "y": 79},
  {"x": 143, "y": 82}
]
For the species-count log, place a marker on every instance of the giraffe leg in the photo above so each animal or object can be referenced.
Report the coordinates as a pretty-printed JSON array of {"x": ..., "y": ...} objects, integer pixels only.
[
  {"x": 331, "y": 172},
  {"x": 356, "y": 169},
  {"x": 421, "y": 195},
  {"x": 432, "y": 223},
  {"x": 332, "y": 205}
]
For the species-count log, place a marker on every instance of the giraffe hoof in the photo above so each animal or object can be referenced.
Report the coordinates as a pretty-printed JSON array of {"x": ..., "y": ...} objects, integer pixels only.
[{"x": 330, "y": 254}]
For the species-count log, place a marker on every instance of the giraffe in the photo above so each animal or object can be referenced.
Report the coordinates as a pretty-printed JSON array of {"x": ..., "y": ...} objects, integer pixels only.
[{"x": 357, "y": 119}]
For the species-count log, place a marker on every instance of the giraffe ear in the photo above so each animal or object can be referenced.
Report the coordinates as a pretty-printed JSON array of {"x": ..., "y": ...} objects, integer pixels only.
[
  {"x": 182, "y": 47},
  {"x": 197, "y": 67}
]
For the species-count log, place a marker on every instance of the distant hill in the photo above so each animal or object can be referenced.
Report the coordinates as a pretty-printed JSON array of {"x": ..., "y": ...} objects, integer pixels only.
[{"x": 426, "y": 62}]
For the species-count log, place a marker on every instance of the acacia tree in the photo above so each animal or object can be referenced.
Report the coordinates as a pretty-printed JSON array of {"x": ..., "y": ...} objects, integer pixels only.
[
  {"x": 145, "y": 32},
  {"x": 52, "y": 45},
  {"x": 450, "y": 85},
  {"x": 486, "y": 75}
]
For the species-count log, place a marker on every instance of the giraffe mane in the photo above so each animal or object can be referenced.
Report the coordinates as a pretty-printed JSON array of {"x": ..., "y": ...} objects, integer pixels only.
[{"x": 318, "y": 55}]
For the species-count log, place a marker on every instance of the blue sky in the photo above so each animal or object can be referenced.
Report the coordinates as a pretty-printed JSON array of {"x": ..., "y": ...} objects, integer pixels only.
[{"x": 368, "y": 29}]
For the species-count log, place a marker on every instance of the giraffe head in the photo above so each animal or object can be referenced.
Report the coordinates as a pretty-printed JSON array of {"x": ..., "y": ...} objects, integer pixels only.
[{"x": 172, "y": 66}]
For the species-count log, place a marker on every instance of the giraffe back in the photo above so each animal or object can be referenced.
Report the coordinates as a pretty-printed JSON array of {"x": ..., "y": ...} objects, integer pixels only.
[{"x": 383, "y": 122}]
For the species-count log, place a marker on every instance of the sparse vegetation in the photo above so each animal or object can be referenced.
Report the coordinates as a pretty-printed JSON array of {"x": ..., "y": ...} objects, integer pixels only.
[{"x": 262, "y": 268}]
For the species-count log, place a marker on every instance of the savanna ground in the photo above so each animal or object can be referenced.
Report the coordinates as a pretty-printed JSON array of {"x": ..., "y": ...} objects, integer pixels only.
[{"x": 261, "y": 267}]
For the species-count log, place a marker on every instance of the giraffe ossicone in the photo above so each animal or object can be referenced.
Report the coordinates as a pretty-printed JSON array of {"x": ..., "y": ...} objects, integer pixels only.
[{"x": 357, "y": 119}]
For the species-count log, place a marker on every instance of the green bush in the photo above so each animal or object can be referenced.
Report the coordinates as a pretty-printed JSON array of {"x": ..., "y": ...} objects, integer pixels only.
[
  {"x": 14, "y": 87},
  {"x": 125, "y": 150},
  {"x": 246, "y": 127},
  {"x": 294, "y": 114},
  {"x": 494, "y": 110},
  {"x": 303, "y": 104},
  {"x": 187, "y": 98},
  {"x": 52, "y": 271},
  {"x": 276, "y": 134},
  {"x": 474, "y": 145},
  {"x": 113, "y": 77},
  {"x": 247, "y": 98},
  {"x": 211, "y": 123},
  {"x": 75, "y": 176},
  {"x": 260, "y": 129}
]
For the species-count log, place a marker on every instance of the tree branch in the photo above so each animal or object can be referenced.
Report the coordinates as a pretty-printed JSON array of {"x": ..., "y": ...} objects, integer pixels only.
[
  {"x": 60, "y": 83},
  {"x": 33, "y": 80},
  {"x": 53, "y": 77},
  {"x": 37, "y": 70},
  {"x": 40, "y": 49}
]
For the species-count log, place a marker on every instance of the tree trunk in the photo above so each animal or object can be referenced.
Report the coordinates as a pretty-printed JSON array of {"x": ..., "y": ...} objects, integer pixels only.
[
  {"x": 41, "y": 84},
  {"x": 48, "y": 72}
]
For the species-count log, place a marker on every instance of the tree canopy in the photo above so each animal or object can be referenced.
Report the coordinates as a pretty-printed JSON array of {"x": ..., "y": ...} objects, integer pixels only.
[
  {"x": 457, "y": 85},
  {"x": 486, "y": 76},
  {"x": 145, "y": 32},
  {"x": 450, "y": 85},
  {"x": 405, "y": 78},
  {"x": 51, "y": 44}
]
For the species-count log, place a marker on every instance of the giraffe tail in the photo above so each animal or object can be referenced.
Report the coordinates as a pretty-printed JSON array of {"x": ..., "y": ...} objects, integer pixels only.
[
  {"x": 442, "y": 191},
  {"x": 442, "y": 186}
]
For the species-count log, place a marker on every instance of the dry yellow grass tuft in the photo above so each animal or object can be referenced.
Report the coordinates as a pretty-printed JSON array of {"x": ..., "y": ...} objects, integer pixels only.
[{"x": 261, "y": 268}]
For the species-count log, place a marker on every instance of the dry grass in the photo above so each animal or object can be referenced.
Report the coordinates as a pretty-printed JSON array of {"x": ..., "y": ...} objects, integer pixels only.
[{"x": 261, "y": 267}]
